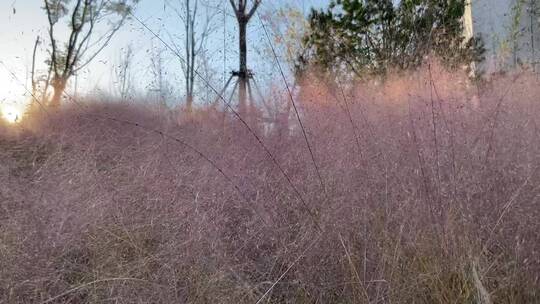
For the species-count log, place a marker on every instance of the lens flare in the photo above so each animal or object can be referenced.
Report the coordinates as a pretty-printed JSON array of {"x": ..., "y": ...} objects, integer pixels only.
[{"x": 10, "y": 114}]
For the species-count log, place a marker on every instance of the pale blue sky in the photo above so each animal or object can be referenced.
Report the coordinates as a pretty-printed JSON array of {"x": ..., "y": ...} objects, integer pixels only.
[{"x": 22, "y": 20}]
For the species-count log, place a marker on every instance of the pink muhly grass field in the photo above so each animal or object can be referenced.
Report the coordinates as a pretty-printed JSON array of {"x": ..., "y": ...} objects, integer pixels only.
[{"x": 429, "y": 193}]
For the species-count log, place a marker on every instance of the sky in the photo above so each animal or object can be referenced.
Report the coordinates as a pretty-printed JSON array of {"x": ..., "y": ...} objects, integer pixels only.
[{"x": 21, "y": 21}]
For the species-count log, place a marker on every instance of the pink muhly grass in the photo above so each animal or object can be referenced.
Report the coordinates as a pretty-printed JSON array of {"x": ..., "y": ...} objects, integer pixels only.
[{"x": 431, "y": 195}]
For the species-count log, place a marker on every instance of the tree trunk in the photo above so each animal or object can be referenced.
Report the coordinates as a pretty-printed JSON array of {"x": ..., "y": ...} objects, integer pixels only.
[
  {"x": 243, "y": 75},
  {"x": 34, "y": 84},
  {"x": 189, "y": 103},
  {"x": 59, "y": 85}
]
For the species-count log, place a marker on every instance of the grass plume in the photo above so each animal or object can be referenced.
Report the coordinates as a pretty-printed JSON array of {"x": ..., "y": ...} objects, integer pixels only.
[{"x": 432, "y": 195}]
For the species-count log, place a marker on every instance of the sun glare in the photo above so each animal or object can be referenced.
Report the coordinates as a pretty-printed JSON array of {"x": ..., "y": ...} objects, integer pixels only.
[{"x": 10, "y": 114}]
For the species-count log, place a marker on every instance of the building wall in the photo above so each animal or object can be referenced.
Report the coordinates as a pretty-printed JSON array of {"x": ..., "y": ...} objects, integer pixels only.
[{"x": 510, "y": 31}]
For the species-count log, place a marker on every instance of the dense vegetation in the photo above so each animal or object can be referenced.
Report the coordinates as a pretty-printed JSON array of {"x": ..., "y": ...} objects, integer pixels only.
[
  {"x": 428, "y": 194},
  {"x": 369, "y": 37}
]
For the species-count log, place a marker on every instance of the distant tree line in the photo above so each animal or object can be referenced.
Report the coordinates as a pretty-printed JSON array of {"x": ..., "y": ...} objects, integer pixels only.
[
  {"x": 367, "y": 37},
  {"x": 358, "y": 37}
]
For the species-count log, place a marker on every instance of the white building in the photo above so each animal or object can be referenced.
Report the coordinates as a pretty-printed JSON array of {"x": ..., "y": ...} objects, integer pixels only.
[{"x": 510, "y": 31}]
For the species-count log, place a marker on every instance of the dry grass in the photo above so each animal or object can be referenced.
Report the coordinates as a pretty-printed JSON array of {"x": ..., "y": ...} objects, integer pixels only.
[{"x": 429, "y": 198}]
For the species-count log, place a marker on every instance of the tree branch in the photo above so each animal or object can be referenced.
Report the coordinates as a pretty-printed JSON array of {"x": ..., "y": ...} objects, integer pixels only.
[
  {"x": 253, "y": 9},
  {"x": 236, "y": 9}
]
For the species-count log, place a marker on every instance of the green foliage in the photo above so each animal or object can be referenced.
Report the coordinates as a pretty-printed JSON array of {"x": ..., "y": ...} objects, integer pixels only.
[{"x": 371, "y": 36}]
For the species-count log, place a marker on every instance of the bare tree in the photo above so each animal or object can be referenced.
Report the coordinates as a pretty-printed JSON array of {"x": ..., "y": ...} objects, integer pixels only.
[
  {"x": 84, "y": 18},
  {"x": 33, "y": 73},
  {"x": 39, "y": 82},
  {"x": 289, "y": 26},
  {"x": 243, "y": 16},
  {"x": 123, "y": 75},
  {"x": 159, "y": 85},
  {"x": 206, "y": 69},
  {"x": 196, "y": 35}
]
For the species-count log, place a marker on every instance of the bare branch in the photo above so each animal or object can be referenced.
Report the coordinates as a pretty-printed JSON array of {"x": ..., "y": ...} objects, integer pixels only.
[
  {"x": 51, "y": 36},
  {"x": 236, "y": 9},
  {"x": 84, "y": 18},
  {"x": 253, "y": 9},
  {"x": 107, "y": 39}
]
